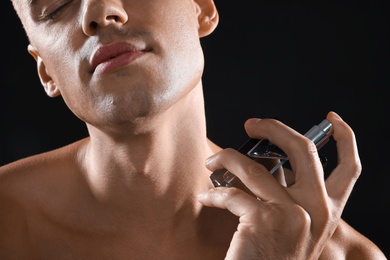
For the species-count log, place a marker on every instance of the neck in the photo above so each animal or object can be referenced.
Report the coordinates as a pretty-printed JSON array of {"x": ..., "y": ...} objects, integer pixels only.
[{"x": 156, "y": 167}]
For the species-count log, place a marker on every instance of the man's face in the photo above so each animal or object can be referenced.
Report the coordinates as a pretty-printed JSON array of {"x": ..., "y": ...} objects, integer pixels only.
[{"x": 115, "y": 60}]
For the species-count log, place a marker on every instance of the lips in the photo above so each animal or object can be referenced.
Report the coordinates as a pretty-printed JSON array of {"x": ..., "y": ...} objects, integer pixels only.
[{"x": 112, "y": 57}]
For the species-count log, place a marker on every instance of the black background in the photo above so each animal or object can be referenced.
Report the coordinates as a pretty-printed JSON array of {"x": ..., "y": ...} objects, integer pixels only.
[{"x": 291, "y": 60}]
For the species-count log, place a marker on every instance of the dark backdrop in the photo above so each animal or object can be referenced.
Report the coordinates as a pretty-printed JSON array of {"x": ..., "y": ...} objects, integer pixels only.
[{"x": 291, "y": 60}]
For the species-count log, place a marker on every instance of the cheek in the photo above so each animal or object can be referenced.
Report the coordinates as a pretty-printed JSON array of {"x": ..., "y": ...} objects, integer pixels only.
[
  {"x": 75, "y": 98},
  {"x": 187, "y": 70},
  {"x": 66, "y": 74}
]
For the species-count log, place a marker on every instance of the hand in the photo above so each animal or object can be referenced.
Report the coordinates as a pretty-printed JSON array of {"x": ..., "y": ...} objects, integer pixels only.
[{"x": 286, "y": 222}]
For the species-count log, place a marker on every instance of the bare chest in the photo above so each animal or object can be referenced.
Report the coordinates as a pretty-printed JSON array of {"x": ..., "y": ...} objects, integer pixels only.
[{"x": 54, "y": 241}]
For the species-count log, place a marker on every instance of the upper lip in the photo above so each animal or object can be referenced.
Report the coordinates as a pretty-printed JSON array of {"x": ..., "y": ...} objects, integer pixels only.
[{"x": 108, "y": 52}]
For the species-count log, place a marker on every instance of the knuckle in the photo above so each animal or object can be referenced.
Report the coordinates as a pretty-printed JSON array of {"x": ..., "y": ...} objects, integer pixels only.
[
  {"x": 355, "y": 168},
  {"x": 309, "y": 145},
  {"x": 325, "y": 217},
  {"x": 253, "y": 169},
  {"x": 294, "y": 218},
  {"x": 301, "y": 218},
  {"x": 304, "y": 144},
  {"x": 325, "y": 224}
]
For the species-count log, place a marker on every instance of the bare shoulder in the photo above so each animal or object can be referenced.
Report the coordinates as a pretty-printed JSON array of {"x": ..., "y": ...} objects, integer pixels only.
[
  {"x": 347, "y": 243},
  {"x": 26, "y": 186},
  {"x": 37, "y": 168}
]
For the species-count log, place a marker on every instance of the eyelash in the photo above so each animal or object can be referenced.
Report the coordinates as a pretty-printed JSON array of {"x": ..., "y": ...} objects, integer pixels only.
[{"x": 57, "y": 11}]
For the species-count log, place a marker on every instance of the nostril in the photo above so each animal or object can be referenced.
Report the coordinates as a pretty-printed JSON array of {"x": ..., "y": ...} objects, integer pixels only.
[
  {"x": 98, "y": 16},
  {"x": 94, "y": 25},
  {"x": 112, "y": 17}
]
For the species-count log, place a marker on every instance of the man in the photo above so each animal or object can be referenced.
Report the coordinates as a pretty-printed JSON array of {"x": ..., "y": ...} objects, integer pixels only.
[{"x": 131, "y": 70}]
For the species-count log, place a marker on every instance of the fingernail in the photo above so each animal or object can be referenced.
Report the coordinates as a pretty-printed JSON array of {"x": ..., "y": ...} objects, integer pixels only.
[{"x": 253, "y": 120}]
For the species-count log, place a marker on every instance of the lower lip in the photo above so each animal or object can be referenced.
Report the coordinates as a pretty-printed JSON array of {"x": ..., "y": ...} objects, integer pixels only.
[{"x": 117, "y": 63}]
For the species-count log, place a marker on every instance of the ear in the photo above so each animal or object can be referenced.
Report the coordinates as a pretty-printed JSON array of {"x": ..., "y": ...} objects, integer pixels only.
[
  {"x": 207, "y": 16},
  {"x": 46, "y": 80}
]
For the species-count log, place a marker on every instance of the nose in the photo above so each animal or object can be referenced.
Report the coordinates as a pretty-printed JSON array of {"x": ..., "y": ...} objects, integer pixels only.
[{"x": 101, "y": 13}]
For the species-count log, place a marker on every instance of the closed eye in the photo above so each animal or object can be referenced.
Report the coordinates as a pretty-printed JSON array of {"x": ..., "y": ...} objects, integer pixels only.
[{"x": 52, "y": 13}]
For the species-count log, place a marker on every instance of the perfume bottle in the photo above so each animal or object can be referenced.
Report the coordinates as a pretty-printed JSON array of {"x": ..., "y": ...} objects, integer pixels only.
[{"x": 260, "y": 149}]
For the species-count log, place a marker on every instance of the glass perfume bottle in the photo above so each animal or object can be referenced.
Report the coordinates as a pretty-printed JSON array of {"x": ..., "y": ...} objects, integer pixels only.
[{"x": 260, "y": 149}]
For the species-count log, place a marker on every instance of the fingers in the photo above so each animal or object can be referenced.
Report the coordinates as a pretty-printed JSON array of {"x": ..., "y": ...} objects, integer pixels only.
[
  {"x": 302, "y": 152},
  {"x": 232, "y": 199},
  {"x": 254, "y": 175},
  {"x": 300, "y": 195},
  {"x": 306, "y": 165},
  {"x": 342, "y": 179}
]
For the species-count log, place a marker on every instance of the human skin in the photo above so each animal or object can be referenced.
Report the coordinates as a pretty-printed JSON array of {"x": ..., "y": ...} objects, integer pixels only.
[{"x": 130, "y": 190}]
